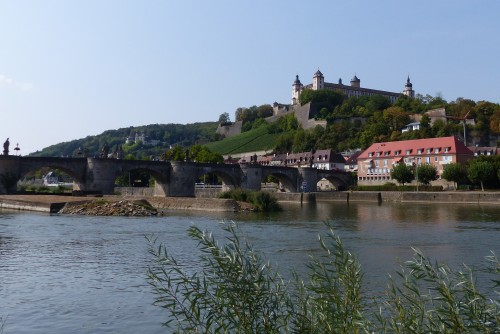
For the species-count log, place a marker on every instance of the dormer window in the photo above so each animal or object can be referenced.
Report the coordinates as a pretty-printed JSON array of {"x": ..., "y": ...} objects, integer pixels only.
[
  {"x": 325, "y": 157},
  {"x": 386, "y": 153},
  {"x": 447, "y": 149},
  {"x": 420, "y": 150},
  {"x": 429, "y": 150},
  {"x": 436, "y": 150},
  {"x": 378, "y": 154},
  {"x": 408, "y": 152},
  {"x": 370, "y": 154},
  {"x": 397, "y": 152}
]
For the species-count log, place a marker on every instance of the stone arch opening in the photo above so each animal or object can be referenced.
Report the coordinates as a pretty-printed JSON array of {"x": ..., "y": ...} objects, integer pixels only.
[
  {"x": 285, "y": 183},
  {"x": 216, "y": 179},
  {"x": 331, "y": 183},
  {"x": 48, "y": 178},
  {"x": 140, "y": 180}
]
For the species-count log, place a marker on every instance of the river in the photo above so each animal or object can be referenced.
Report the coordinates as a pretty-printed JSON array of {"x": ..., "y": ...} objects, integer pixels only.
[{"x": 79, "y": 274}]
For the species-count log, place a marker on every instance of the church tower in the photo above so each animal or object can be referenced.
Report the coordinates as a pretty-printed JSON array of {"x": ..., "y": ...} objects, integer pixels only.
[
  {"x": 296, "y": 89},
  {"x": 355, "y": 82},
  {"x": 409, "y": 88},
  {"x": 318, "y": 80}
]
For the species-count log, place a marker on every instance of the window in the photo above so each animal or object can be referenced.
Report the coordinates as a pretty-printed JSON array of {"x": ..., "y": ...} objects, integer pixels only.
[
  {"x": 436, "y": 159},
  {"x": 420, "y": 150},
  {"x": 378, "y": 154},
  {"x": 408, "y": 152},
  {"x": 428, "y": 160},
  {"x": 429, "y": 150},
  {"x": 370, "y": 154},
  {"x": 436, "y": 150},
  {"x": 385, "y": 162},
  {"x": 447, "y": 149},
  {"x": 386, "y": 153}
]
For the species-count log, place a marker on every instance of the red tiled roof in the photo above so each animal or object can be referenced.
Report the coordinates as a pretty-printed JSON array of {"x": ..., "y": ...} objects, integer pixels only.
[{"x": 452, "y": 143}]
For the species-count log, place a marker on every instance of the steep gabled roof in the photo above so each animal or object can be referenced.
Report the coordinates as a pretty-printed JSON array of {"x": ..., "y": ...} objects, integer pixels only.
[{"x": 451, "y": 144}]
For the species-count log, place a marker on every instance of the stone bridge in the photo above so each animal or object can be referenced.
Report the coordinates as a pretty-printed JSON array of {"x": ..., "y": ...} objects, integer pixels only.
[{"x": 176, "y": 179}]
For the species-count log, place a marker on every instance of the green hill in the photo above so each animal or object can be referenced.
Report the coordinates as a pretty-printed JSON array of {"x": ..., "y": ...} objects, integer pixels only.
[
  {"x": 254, "y": 140},
  {"x": 164, "y": 136}
]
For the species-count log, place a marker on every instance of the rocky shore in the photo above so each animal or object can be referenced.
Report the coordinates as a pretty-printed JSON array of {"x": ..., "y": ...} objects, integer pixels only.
[{"x": 103, "y": 207}]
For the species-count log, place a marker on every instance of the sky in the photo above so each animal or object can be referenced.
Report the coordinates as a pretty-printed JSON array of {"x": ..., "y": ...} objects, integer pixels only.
[{"x": 70, "y": 69}]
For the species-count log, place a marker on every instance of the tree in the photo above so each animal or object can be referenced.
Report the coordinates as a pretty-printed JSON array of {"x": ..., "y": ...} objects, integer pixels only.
[
  {"x": 455, "y": 172},
  {"x": 396, "y": 117},
  {"x": 426, "y": 174},
  {"x": 402, "y": 173},
  {"x": 481, "y": 171},
  {"x": 224, "y": 118}
]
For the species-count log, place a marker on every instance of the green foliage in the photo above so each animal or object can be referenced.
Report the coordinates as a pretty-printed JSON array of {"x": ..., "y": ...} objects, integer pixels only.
[
  {"x": 481, "y": 171},
  {"x": 263, "y": 201},
  {"x": 249, "y": 115},
  {"x": 402, "y": 173},
  {"x": 236, "y": 290},
  {"x": 168, "y": 134},
  {"x": 250, "y": 141},
  {"x": 322, "y": 99},
  {"x": 224, "y": 118},
  {"x": 455, "y": 172},
  {"x": 392, "y": 187},
  {"x": 426, "y": 174}
]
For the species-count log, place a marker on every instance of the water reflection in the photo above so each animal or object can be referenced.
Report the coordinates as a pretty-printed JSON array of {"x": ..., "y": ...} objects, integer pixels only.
[{"x": 63, "y": 274}]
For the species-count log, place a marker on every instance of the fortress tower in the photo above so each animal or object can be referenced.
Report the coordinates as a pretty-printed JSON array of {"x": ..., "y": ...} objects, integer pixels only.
[
  {"x": 409, "y": 88},
  {"x": 318, "y": 80},
  {"x": 296, "y": 89}
]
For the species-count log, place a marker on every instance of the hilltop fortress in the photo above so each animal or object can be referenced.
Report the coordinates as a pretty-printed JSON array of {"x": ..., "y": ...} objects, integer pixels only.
[{"x": 303, "y": 113}]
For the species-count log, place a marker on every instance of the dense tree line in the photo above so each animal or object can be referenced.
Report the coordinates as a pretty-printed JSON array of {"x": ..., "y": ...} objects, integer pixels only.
[
  {"x": 358, "y": 122},
  {"x": 483, "y": 171},
  {"x": 167, "y": 134}
]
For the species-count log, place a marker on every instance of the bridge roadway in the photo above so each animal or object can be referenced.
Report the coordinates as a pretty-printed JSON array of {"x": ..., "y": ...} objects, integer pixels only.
[{"x": 172, "y": 178}]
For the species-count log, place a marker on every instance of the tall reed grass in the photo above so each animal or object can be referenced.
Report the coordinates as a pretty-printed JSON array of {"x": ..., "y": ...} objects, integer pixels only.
[{"x": 237, "y": 291}]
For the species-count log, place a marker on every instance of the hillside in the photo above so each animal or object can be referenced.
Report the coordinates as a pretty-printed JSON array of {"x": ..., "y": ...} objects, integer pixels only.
[
  {"x": 158, "y": 139},
  {"x": 254, "y": 140}
]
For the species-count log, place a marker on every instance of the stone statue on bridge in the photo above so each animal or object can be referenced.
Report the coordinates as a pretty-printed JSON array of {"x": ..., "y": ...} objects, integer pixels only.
[{"x": 6, "y": 147}]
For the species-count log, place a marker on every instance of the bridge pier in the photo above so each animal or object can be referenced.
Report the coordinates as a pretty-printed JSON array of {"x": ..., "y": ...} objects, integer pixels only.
[
  {"x": 308, "y": 177},
  {"x": 9, "y": 173},
  {"x": 251, "y": 177},
  {"x": 182, "y": 180},
  {"x": 100, "y": 176}
]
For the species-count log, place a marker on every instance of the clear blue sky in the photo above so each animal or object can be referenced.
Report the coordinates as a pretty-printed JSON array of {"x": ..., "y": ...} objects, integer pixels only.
[{"x": 72, "y": 68}]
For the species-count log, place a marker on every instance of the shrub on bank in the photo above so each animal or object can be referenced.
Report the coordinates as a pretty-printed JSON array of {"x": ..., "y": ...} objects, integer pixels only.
[
  {"x": 237, "y": 291},
  {"x": 262, "y": 200}
]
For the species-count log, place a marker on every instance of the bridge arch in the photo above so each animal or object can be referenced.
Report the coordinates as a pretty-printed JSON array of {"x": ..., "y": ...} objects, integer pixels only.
[
  {"x": 229, "y": 174},
  {"x": 286, "y": 176}
]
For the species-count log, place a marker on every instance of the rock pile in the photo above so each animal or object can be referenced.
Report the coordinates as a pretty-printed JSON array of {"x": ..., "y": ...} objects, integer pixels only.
[{"x": 109, "y": 208}]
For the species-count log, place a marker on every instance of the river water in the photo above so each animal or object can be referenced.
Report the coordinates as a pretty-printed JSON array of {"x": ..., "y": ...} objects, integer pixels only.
[{"x": 79, "y": 274}]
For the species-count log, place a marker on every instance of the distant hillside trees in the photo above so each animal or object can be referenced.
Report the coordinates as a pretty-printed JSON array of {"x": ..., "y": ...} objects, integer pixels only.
[
  {"x": 167, "y": 134},
  {"x": 251, "y": 114},
  {"x": 197, "y": 153}
]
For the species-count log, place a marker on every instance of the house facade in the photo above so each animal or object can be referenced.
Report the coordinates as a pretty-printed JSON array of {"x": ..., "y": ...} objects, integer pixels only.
[{"x": 376, "y": 162}]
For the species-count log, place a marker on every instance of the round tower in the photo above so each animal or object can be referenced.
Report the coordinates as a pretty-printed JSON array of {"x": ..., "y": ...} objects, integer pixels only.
[
  {"x": 296, "y": 89},
  {"x": 409, "y": 88},
  {"x": 355, "y": 82},
  {"x": 318, "y": 80}
]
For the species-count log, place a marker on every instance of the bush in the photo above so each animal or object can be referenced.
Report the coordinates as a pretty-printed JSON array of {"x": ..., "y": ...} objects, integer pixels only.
[
  {"x": 263, "y": 201},
  {"x": 237, "y": 291}
]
